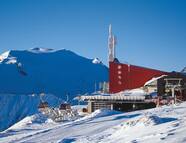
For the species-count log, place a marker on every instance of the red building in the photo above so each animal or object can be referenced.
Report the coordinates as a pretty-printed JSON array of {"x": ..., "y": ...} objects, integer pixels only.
[{"x": 124, "y": 76}]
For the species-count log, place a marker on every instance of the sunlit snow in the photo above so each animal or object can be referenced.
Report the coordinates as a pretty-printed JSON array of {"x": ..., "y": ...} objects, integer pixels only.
[{"x": 158, "y": 125}]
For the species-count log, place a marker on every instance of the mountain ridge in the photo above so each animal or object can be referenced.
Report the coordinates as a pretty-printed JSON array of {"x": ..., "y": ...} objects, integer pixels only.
[{"x": 35, "y": 68}]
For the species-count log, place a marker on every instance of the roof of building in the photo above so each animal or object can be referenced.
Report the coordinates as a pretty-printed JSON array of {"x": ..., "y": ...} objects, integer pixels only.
[
  {"x": 153, "y": 79},
  {"x": 111, "y": 98}
]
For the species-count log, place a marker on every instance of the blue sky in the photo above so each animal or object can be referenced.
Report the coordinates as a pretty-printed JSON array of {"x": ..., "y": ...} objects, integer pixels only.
[{"x": 150, "y": 33}]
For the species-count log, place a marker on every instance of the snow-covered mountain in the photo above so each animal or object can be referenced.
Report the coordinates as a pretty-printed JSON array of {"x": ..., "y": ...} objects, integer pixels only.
[
  {"x": 183, "y": 70},
  {"x": 25, "y": 74},
  {"x": 46, "y": 70},
  {"x": 165, "y": 124},
  {"x": 16, "y": 107}
]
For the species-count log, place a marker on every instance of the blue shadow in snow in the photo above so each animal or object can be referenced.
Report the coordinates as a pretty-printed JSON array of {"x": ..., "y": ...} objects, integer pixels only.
[
  {"x": 67, "y": 140},
  {"x": 126, "y": 116},
  {"x": 117, "y": 118},
  {"x": 166, "y": 120}
]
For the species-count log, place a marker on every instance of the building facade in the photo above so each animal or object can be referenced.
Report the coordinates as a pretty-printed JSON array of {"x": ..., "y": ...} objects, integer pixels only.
[{"x": 125, "y": 76}]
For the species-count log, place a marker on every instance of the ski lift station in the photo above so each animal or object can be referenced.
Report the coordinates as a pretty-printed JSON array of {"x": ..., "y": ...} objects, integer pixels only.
[{"x": 132, "y": 87}]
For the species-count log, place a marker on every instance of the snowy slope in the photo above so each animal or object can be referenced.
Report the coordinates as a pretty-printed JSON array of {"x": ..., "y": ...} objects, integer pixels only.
[
  {"x": 158, "y": 125},
  {"x": 37, "y": 70},
  {"x": 16, "y": 107},
  {"x": 46, "y": 70}
]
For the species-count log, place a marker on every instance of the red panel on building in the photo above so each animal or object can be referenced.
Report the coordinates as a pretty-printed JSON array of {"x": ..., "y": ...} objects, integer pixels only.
[{"x": 124, "y": 76}]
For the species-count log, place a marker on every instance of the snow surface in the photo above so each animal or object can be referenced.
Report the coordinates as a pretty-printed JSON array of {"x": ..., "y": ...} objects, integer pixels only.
[
  {"x": 7, "y": 58},
  {"x": 133, "y": 92},
  {"x": 158, "y": 125},
  {"x": 4, "y": 55},
  {"x": 41, "y": 50},
  {"x": 96, "y": 61},
  {"x": 153, "y": 79}
]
